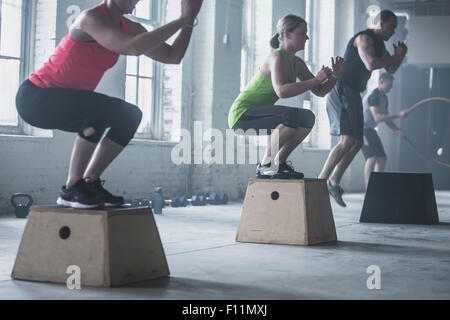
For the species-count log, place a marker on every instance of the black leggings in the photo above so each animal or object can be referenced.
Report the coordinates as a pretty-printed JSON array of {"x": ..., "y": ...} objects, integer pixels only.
[
  {"x": 76, "y": 110},
  {"x": 270, "y": 117}
]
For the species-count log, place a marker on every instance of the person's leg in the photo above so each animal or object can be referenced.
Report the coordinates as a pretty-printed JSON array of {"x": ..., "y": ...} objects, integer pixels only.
[
  {"x": 336, "y": 154},
  {"x": 294, "y": 141},
  {"x": 303, "y": 120},
  {"x": 124, "y": 120},
  {"x": 368, "y": 169},
  {"x": 279, "y": 137},
  {"x": 352, "y": 123},
  {"x": 339, "y": 126},
  {"x": 273, "y": 120},
  {"x": 81, "y": 155},
  {"x": 288, "y": 126},
  {"x": 106, "y": 151},
  {"x": 346, "y": 160},
  {"x": 89, "y": 114},
  {"x": 380, "y": 164}
]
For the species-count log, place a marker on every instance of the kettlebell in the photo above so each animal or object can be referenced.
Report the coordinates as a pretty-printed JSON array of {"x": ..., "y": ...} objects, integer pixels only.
[{"x": 20, "y": 209}]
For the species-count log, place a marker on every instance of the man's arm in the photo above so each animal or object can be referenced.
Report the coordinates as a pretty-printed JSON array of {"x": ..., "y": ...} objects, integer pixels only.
[
  {"x": 368, "y": 56},
  {"x": 383, "y": 117},
  {"x": 391, "y": 125},
  {"x": 393, "y": 67}
]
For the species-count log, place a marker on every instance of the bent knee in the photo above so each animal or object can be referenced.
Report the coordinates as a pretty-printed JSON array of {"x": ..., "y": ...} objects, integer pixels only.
[
  {"x": 347, "y": 142},
  {"x": 309, "y": 118},
  {"x": 357, "y": 144},
  {"x": 134, "y": 116},
  {"x": 305, "y": 118}
]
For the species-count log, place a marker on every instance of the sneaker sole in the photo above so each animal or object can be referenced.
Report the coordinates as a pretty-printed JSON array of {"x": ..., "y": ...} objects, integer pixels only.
[
  {"x": 337, "y": 201},
  {"x": 113, "y": 205},
  {"x": 77, "y": 205}
]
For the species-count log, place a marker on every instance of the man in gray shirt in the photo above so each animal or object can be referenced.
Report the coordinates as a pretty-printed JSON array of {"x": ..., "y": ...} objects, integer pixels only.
[{"x": 375, "y": 109}]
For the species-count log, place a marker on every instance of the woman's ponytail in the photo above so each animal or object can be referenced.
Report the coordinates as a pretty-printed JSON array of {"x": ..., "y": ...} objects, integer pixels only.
[{"x": 275, "y": 41}]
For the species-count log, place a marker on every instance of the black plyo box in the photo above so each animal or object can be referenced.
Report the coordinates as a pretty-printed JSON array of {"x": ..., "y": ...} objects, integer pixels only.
[{"x": 403, "y": 198}]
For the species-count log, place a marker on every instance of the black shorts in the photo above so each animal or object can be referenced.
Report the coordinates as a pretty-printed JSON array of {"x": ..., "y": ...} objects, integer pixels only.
[
  {"x": 372, "y": 145},
  {"x": 76, "y": 110},
  {"x": 345, "y": 112},
  {"x": 269, "y": 117}
]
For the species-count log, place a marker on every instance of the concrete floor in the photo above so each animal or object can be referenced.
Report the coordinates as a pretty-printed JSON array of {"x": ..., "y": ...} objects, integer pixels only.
[{"x": 206, "y": 263}]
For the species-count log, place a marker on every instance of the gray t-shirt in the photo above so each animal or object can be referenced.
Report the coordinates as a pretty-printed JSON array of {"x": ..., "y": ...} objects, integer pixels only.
[{"x": 375, "y": 99}]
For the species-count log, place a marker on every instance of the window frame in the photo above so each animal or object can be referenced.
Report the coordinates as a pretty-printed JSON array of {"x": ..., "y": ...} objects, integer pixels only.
[
  {"x": 308, "y": 98},
  {"x": 26, "y": 56},
  {"x": 156, "y": 118}
]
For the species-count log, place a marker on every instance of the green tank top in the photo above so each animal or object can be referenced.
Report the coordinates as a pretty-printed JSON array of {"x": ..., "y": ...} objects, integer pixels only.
[{"x": 259, "y": 92}]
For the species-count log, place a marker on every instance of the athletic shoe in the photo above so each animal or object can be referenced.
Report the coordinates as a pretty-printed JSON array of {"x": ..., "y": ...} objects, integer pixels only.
[
  {"x": 287, "y": 168},
  {"x": 79, "y": 196},
  {"x": 264, "y": 172},
  {"x": 108, "y": 199},
  {"x": 335, "y": 192}
]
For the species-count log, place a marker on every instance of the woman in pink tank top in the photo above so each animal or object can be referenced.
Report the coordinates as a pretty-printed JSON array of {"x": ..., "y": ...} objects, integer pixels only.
[{"x": 60, "y": 95}]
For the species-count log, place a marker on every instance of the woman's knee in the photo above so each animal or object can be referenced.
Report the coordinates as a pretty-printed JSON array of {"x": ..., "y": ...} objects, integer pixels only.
[
  {"x": 304, "y": 118},
  {"x": 134, "y": 115},
  {"x": 309, "y": 118}
]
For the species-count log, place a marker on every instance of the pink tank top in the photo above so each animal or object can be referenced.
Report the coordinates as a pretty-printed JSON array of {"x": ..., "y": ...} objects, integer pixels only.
[{"x": 76, "y": 64}]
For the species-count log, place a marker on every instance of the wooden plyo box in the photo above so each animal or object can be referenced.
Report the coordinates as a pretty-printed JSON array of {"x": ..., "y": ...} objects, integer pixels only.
[
  {"x": 111, "y": 247},
  {"x": 295, "y": 212}
]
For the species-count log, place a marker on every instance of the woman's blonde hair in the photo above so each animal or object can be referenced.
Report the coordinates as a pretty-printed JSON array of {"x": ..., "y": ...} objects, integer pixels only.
[{"x": 289, "y": 23}]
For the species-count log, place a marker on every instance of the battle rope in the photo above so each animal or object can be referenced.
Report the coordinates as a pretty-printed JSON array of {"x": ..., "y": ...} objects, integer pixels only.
[{"x": 414, "y": 107}]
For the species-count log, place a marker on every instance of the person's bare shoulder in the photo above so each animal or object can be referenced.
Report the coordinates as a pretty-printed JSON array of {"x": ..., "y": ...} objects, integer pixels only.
[{"x": 363, "y": 40}]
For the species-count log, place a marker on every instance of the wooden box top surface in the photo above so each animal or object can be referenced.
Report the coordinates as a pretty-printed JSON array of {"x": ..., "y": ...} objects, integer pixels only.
[{"x": 100, "y": 211}]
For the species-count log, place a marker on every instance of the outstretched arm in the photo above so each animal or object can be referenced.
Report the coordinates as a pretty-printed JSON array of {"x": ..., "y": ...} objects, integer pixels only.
[{"x": 383, "y": 117}]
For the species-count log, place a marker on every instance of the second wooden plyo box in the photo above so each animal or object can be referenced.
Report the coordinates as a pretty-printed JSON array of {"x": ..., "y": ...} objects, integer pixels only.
[{"x": 293, "y": 212}]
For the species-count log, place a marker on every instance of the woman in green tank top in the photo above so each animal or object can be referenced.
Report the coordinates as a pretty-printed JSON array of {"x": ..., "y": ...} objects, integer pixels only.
[{"x": 255, "y": 107}]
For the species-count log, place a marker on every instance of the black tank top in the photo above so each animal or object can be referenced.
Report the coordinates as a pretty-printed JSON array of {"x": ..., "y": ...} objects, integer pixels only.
[{"x": 355, "y": 73}]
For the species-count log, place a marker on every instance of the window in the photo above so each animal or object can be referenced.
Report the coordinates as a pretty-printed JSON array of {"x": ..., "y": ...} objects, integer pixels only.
[
  {"x": 171, "y": 85},
  {"x": 256, "y": 33},
  {"x": 155, "y": 87},
  {"x": 321, "y": 48},
  {"x": 14, "y": 25},
  {"x": 141, "y": 73}
]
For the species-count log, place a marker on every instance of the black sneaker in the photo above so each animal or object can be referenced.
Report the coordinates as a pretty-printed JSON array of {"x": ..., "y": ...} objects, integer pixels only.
[
  {"x": 108, "y": 199},
  {"x": 286, "y": 171},
  {"x": 264, "y": 172},
  {"x": 79, "y": 196},
  {"x": 336, "y": 193}
]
